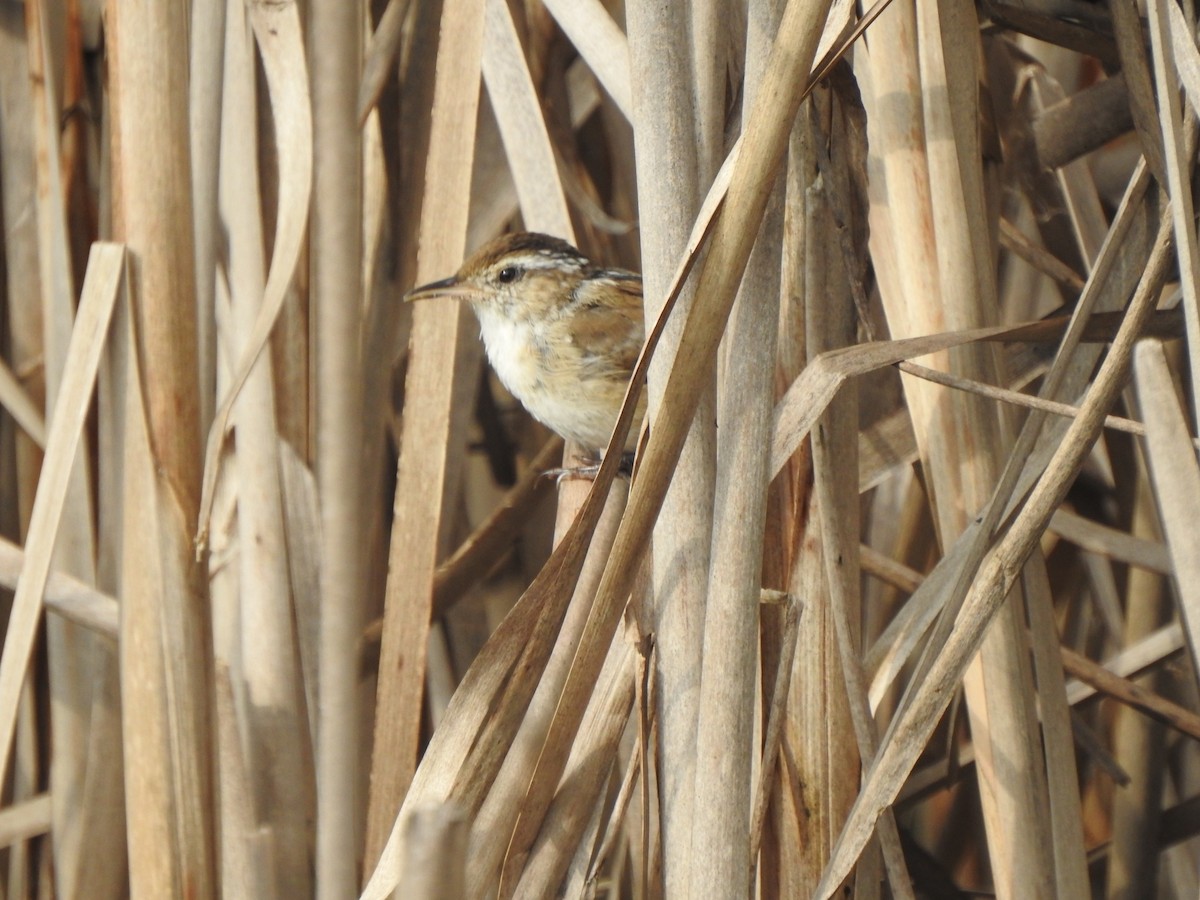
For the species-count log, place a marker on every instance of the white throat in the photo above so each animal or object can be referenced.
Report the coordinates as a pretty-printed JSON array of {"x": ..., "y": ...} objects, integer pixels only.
[{"x": 512, "y": 350}]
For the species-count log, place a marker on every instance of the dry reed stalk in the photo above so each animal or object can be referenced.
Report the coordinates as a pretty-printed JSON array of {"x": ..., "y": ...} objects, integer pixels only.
[
  {"x": 1174, "y": 476},
  {"x": 498, "y": 813},
  {"x": 336, "y": 28},
  {"x": 436, "y": 844},
  {"x": 730, "y": 653},
  {"x": 205, "y": 95},
  {"x": 82, "y": 670},
  {"x": 586, "y": 757},
  {"x": 943, "y": 256},
  {"x": 266, "y": 691},
  {"x": 165, "y": 632},
  {"x": 667, "y": 141},
  {"x": 1137, "y": 743},
  {"x": 1178, "y": 143},
  {"x": 18, "y": 187},
  {"x": 1000, "y": 569},
  {"x": 442, "y": 363},
  {"x": 815, "y": 702},
  {"x": 835, "y": 445}
]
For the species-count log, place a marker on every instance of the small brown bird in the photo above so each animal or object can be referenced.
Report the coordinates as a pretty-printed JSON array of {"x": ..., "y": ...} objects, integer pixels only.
[{"x": 561, "y": 332}]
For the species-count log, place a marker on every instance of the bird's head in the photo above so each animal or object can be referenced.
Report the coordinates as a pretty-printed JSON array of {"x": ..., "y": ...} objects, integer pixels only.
[{"x": 523, "y": 275}]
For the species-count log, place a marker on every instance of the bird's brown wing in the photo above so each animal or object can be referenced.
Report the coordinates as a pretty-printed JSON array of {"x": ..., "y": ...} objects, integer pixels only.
[{"x": 607, "y": 325}]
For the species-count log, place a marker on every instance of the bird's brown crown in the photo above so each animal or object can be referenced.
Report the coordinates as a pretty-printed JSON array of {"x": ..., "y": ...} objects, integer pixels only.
[
  {"x": 531, "y": 276},
  {"x": 522, "y": 250}
]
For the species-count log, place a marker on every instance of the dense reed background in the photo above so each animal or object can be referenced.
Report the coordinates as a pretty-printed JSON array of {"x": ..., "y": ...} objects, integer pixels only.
[{"x": 904, "y": 593}]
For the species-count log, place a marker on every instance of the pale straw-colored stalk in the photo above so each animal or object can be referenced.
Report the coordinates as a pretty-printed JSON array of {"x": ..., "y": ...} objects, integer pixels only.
[
  {"x": 847, "y": 470},
  {"x": 666, "y": 111},
  {"x": 442, "y": 364},
  {"x": 165, "y": 631},
  {"x": 335, "y": 32}
]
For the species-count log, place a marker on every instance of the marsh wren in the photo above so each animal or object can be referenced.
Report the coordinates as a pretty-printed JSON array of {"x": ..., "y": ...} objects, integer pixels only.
[{"x": 562, "y": 333}]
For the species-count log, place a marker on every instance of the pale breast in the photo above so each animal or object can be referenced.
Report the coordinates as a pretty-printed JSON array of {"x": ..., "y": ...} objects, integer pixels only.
[
  {"x": 512, "y": 350},
  {"x": 554, "y": 380}
]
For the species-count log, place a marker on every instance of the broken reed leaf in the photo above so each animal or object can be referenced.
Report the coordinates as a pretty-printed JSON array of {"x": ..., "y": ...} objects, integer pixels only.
[
  {"x": 808, "y": 396},
  {"x": 105, "y": 273},
  {"x": 813, "y": 389},
  {"x": 281, "y": 48}
]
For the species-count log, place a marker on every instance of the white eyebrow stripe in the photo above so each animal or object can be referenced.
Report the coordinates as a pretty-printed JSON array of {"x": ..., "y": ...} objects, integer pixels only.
[{"x": 529, "y": 261}]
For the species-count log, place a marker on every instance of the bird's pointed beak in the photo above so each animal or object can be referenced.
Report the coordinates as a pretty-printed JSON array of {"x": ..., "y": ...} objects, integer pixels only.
[{"x": 448, "y": 287}]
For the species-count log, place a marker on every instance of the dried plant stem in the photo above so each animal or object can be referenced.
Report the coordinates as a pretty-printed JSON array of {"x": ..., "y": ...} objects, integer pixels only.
[
  {"x": 207, "y": 70},
  {"x": 82, "y": 671},
  {"x": 443, "y": 363},
  {"x": 272, "y": 723},
  {"x": 1175, "y": 476},
  {"x": 726, "y": 733},
  {"x": 665, "y": 138},
  {"x": 922, "y": 321},
  {"x": 1178, "y": 137},
  {"x": 499, "y": 811},
  {"x": 761, "y": 154},
  {"x": 1001, "y": 567},
  {"x": 66, "y": 429},
  {"x": 337, "y": 285},
  {"x": 165, "y": 630}
]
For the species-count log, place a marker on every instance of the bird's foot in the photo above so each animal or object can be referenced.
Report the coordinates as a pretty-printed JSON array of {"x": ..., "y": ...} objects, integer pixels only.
[
  {"x": 590, "y": 471},
  {"x": 571, "y": 473}
]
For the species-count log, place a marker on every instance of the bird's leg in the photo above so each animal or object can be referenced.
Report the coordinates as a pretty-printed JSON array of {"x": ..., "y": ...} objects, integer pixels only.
[{"x": 590, "y": 470}]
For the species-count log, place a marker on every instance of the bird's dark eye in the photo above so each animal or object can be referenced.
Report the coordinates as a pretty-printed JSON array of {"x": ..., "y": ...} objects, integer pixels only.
[{"x": 508, "y": 274}]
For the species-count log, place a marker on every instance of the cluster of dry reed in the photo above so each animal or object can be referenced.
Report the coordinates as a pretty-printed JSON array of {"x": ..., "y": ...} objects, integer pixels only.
[{"x": 904, "y": 592}]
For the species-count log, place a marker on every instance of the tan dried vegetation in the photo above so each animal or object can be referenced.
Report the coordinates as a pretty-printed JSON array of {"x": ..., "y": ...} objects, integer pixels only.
[{"x": 904, "y": 592}]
